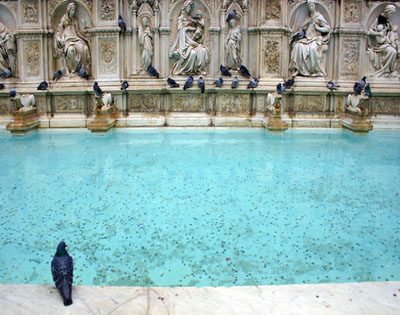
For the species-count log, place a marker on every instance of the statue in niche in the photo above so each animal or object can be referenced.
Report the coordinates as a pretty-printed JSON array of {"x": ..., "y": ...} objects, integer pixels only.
[
  {"x": 8, "y": 49},
  {"x": 232, "y": 45},
  {"x": 385, "y": 49},
  {"x": 308, "y": 53},
  {"x": 188, "y": 47},
  {"x": 146, "y": 43},
  {"x": 71, "y": 44}
]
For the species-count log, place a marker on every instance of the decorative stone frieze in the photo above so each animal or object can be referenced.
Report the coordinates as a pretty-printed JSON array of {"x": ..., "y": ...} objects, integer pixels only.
[
  {"x": 69, "y": 104},
  {"x": 143, "y": 103},
  {"x": 272, "y": 56},
  {"x": 310, "y": 103},
  {"x": 32, "y": 58},
  {"x": 187, "y": 103},
  {"x": 386, "y": 105},
  {"x": 107, "y": 10},
  {"x": 351, "y": 54},
  {"x": 108, "y": 56},
  {"x": 273, "y": 10},
  {"x": 30, "y": 12},
  {"x": 233, "y": 103},
  {"x": 352, "y": 11}
]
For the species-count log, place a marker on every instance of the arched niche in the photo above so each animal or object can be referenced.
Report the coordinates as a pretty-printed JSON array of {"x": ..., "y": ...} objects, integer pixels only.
[
  {"x": 301, "y": 12},
  {"x": 83, "y": 15},
  {"x": 146, "y": 11},
  {"x": 239, "y": 12},
  {"x": 395, "y": 18},
  {"x": 7, "y": 18}
]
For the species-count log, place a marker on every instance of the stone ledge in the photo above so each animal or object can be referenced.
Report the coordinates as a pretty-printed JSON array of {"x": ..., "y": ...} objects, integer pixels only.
[{"x": 344, "y": 298}]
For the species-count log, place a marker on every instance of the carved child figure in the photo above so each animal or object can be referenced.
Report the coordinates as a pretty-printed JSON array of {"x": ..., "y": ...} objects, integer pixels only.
[{"x": 198, "y": 33}]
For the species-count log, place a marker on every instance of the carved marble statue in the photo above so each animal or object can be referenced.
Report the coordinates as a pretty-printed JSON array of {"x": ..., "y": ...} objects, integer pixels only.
[
  {"x": 188, "y": 48},
  {"x": 385, "y": 47},
  {"x": 146, "y": 43},
  {"x": 232, "y": 46},
  {"x": 8, "y": 49},
  {"x": 71, "y": 44},
  {"x": 23, "y": 102},
  {"x": 308, "y": 53}
]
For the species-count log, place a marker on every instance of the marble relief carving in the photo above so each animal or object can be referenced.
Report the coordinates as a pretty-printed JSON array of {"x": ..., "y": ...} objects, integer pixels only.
[
  {"x": 352, "y": 12},
  {"x": 191, "y": 55},
  {"x": 136, "y": 4},
  {"x": 143, "y": 103},
  {"x": 243, "y": 3},
  {"x": 32, "y": 58},
  {"x": 107, "y": 10},
  {"x": 108, "y": 54},
  {"x": 308, "y": 52},
  {"x": 8, "y": 49},
  {"x": 271, "y": 56},
  {"x": 305, "y": 103},
  {"x": 30, "y": 12},
  {"x": 386, "y": 105},
  {"x": 351, "y": 53},
  {"x": 146, "y": 43},
  {"x": 384, "y": 48},
  {"x": 54, "y": 3},
  {"x": 233, "y": 103},
  {"x": 70, "y": 43},
  {"x": 4, "y": 106},
  {"x": 232, "y": 45},
  {"x": 69, "y": 104},
  {"x": 187, "y": 103},
  {"x": 273, "y": 9}
]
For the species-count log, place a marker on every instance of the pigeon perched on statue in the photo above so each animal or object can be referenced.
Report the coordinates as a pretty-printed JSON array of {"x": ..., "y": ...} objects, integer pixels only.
[
  {"x": 367, "y": 90},
  {"x": 6, "y": 73},
  {"x": 280, "y": 88},
  {"x": 244, "y": 71},
  {"x": 62, "y": 269},
  {"x": 43, "y": 86},
  {"x": 82, "y": 73},
  {"x": 153, "y": 72},
  {"x": 201, "y": 84},
  {"x": 57, "y": 75},
  {"x": 172, "y": 83},
  {"x": 299, "y": 35},
  {"x": 235, "y": 83},
  {"x": 97, "y": 89},
  {"x": 2, "y": 86},
  {"x": 219, "y": 82},
  {"x": 225, "y": 71},
  {"x": 188, "y": 83},
  {"x": 332, "y": 85},
  {"x": 13, "y": 92},
  {"x": 359, "y": 86},
  {"x": 288, "y": 83},
  {"x": 253, "y": 83},
  {"x": 121, "y": 24},
  {"x": 124, "y": 85},
  {"x": 231, "y": 15}
]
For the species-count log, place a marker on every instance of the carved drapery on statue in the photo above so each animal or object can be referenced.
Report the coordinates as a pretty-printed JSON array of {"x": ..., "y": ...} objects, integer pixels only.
[
  {"x": 384, "y": 49},
  {"x": 308, "y": 53},
  {"x": 232, "y": 45},
  {"x": 188, "y": 48},
  {"x": 146, "y": 44},
  {"x": 8, "y": 49},
  {"x": 71, "y": 44}
]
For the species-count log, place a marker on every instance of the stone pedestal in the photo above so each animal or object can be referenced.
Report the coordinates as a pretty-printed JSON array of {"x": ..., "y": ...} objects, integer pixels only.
[
  {"x": 274, "y": 119},
  {"x": 356, "y": 119},
  {"x": 103, "y": 121},
  {"x": 25, "y": 121}
]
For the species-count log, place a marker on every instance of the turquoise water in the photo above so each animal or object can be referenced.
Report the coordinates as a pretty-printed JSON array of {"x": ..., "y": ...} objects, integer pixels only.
[{"x": 201, "y": 207}]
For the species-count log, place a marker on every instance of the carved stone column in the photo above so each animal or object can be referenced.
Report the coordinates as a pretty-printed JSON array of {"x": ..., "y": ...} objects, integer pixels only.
[
  {"x": 245, "y": 38},
  {"x": 222, "y": 37},
  {"x": 164, "y": 47},
  {"x": 135, "y": 51},
  {"x": 156, "y": 34}
]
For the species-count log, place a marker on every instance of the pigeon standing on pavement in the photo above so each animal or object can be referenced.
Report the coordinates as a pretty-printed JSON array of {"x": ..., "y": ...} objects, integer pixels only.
[{"x": 62, "y": 268}]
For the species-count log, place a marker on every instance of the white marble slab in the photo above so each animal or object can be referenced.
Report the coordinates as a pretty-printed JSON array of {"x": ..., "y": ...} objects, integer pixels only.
[{"x": 347, "y": 298}]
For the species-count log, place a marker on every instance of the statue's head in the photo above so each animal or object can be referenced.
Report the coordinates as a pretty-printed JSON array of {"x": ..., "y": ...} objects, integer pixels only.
[
  {"x": 188, "y": 5},
  {"x": 71, "y": 9},
  {"x": 145, "y": 21},
  {"x": 389, "y": 10},
  {"x": 311, "y": 5}
]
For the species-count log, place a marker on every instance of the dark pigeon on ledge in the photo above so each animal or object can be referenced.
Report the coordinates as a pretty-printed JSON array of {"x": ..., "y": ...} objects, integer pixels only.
[
  {"x": 244, "y": 72},
  {"x": 201, "y": 84},
  {"x": 6, "y": 73},
  {"x": 188, "y": 83},
  {"x": 235, "y": 82},
  {"x": 2, "y": 86},
  {"x": 219, "y": 82},
  {"x": 43, "y": 86},
  {"x": 367, "y": 90},
  {"x": 359, "y": 86},
  {"x": 82, "y": 73},
  {"x": 121, "y": 24},
  {"x": 280, "y": 88},
  {"x": 253, "y": 83},
  {"x": 153, "y": 72},
  {"x": 299, "y": 35},
  {"x": 225, "y": 71},
  {"x": 57, "y": 75},
  {"x": 124, "y": 85},
  {"x": 62, "y": 268},
  {"x": 172, "y": 83},
  {"x": 289, "y": 83},
  {"x": 97, "y": 90},
  {"x": 332, "y": 85}
]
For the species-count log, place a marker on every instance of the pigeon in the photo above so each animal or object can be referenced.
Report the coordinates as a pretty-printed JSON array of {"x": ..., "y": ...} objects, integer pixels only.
[
  {"x": 121, "y": 24},
  {"x": 153, "y": 72},
  {"x": 359, "y": 86},
  {"x": 82, "y": 73},
  {"x": 235, "y": 83},
  {"x": 57, "y": 75},
  {"x": 225, "y": 71},
  {"x": 124, "y": 85},
  {"x": 43, "y": 85},
  {"x": 231, "y": 15},
  {"x": 332, "y": 85},
  {"x": 2, "y": 86},
  {"x": 219, "y": 82},
  {"x": 244, "y": 72},
  {"x": 62, "y": 268},
  {"x": 172, "y": 83},
  {"x": 382, "y": 20},
  {"x": 280, "y": 88},
  {"x": 253, "y": 83},
  {"x": 299, "y": 35},
  {"x": 13, "y": 92},
  {"x": 367, "y": 90},
  {"x": 201, "y": 84},
  {"x": 6, "y": 73},
  {"x": 188, "y": 83},
  {"x": 289, "y": 83},
  {"x": 97, "y": 90}
]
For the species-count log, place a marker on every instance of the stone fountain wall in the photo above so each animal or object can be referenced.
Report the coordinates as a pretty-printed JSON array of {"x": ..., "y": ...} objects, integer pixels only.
[{"x": 346, "y": 50}]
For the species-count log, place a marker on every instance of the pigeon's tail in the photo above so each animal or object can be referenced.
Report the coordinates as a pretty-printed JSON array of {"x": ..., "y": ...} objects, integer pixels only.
[{"x": 66, "y": 293}]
